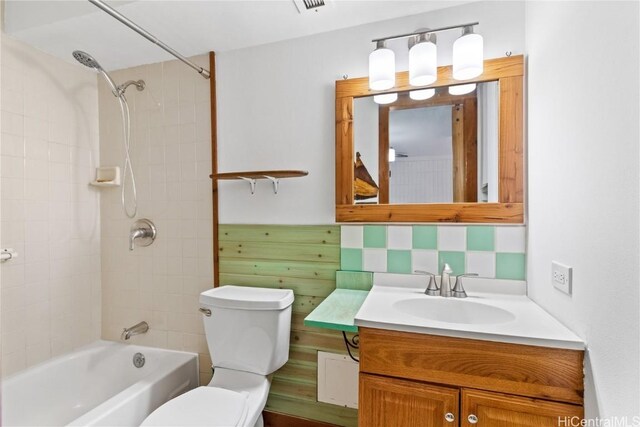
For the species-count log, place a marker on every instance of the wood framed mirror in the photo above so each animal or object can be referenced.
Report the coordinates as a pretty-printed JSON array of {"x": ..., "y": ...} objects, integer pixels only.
[{"x": 369, "y": 185}]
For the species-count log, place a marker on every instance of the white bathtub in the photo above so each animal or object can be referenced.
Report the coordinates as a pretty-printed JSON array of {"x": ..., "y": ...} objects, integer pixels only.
[{"x": 97, "y": 385}]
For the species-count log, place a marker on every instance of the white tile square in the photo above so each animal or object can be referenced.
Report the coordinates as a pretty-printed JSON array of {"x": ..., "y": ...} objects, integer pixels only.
[
  {"x": 374, "y": 260},
  {"x": 399, "y": 237},
  {"x": 510, "y": 239},
  {"x": 351, "y": 236},
  {"x": 452, "y": 238},
  {"x": 425, "y": 260},
  {"x": 482, "y": 263}
]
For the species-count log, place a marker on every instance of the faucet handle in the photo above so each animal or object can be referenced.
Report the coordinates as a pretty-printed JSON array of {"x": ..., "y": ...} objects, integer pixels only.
[
  {"x": 432, "y": 287},
  {"x": 458, "y": 291}
]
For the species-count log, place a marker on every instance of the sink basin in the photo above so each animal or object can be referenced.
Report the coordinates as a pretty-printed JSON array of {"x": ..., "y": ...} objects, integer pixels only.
[{"x": 451, "y": 310}]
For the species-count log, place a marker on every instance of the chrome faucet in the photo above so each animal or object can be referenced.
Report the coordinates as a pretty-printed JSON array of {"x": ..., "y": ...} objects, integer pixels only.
[
  {"x": 445, "y": 281},
  {"x": 137, "y": 329},
  {"x": 458, "y": 290}
]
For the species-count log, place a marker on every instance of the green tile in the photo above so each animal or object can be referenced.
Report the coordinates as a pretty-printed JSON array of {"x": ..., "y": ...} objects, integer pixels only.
[
  {"x": 351, "y": 259},
  {"x": 425, "y": 237},
  {"x": 510, "y": 266},
  {"x": 355, "y": 280},
  {"x": 375, "y": 236},
  {"x": 481, "y": 238},
  {"x": 398, "y": 261},
  {"x": 454, "y": 259}
]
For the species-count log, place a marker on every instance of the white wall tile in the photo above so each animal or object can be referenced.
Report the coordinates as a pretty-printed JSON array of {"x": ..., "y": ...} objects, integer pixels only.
[
  {"x": 425, "y": 260},
  {"x": 374, "y": 260},
  {"x": 482, "y": 263},
  {"x": 399, "y": 237},
  {"x": 452, "y": 238},
  {"x": 510, "y": 239},
  {"x": 351, "y": 236}
]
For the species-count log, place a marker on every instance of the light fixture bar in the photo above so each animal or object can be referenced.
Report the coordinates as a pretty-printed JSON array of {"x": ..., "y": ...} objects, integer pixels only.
[{"x": 436, "y": 30}]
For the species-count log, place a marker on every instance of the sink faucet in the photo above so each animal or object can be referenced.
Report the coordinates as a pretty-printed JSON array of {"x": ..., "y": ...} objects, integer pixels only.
[
  {"x": 137, "y": 329},
  {"x": 458, "y": 290},
  {"x": 445, "y": 281}
]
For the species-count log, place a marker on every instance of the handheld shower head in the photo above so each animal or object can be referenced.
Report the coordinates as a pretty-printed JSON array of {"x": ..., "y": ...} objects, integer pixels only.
[
  {"x": 85, "y": 59},
  {"x": 89, "y": 61}
]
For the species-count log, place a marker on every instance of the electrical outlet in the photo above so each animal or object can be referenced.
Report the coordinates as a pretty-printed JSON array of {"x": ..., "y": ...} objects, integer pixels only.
[{"x": 561, "y": 277}]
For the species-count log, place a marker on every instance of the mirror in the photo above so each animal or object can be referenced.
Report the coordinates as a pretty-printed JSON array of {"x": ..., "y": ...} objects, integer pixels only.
[
  {"x": 443, "y": 149},
  {"x": 447, "y": 158}
]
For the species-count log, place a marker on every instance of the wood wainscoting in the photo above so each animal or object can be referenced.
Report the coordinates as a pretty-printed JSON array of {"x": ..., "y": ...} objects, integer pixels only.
[{"x": 305, "y": 259}]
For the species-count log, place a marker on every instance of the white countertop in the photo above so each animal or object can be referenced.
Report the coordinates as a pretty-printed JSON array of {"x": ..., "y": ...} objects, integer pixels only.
[{"x": 529, "y": 325}]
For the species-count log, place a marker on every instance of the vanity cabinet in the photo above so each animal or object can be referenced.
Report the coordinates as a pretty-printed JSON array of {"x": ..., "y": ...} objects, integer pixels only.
[{"x": 412, "y": 379}]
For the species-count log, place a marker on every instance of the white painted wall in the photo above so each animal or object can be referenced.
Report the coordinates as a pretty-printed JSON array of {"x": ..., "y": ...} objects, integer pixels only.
[
  {"x": 583, "y": 98},
  {"x": 276, "y": 106}
]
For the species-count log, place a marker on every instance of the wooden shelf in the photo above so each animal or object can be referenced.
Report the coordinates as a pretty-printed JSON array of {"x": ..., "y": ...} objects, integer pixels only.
[
  {"x": 260, "y": 174},
  {"x": 252, "y": 176}
]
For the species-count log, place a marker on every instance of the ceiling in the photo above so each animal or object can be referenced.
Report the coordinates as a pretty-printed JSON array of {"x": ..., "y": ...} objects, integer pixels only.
[{"x": 191, "y": 27}]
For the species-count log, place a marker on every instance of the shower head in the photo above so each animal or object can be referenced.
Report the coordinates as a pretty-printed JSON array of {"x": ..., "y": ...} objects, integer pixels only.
[
  {"x": 89, "y": 61},
  {"x": 85, "y": 59}
]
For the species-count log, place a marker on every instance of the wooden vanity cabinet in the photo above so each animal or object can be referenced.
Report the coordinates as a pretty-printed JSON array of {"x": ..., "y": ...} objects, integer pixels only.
[{"x": 411, "y": 379}]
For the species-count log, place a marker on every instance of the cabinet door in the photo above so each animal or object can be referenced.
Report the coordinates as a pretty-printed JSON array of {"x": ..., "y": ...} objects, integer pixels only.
[
  {"x": 391, "y": 402},
  {"x": 486, "y": 409}
]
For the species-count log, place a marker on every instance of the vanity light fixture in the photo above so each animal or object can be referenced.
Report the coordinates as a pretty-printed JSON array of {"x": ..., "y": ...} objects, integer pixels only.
[
  {"x": 422, "y": 94},
  {"x": 385, "y": 98},
  {"x": 468, "y": 57},
  {"x": 462, "y": 89},
  {"x": 382, "y": 67},
  {"x": 423, "y": 60}
]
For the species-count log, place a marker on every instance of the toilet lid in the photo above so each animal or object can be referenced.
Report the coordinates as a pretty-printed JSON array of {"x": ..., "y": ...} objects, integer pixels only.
[{"x": 202, "y": 406}]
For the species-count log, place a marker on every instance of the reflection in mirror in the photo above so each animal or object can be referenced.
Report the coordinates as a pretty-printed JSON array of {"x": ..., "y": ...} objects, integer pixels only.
[{"x": 439, "y": 150}]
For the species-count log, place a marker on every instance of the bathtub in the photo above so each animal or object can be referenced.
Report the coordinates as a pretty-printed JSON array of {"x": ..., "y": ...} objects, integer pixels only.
[{"x": 97, "y": 385}]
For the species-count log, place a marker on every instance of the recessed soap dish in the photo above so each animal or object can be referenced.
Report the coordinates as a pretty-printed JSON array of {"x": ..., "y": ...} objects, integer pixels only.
[{"x": 107, "y": 176}]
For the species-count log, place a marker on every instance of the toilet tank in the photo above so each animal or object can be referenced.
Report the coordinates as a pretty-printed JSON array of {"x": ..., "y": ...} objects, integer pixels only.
[{"x": 249, "y": 328}]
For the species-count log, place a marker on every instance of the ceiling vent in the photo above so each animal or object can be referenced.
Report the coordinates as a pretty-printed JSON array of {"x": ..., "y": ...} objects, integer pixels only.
[{"x": 309, "y": 6}]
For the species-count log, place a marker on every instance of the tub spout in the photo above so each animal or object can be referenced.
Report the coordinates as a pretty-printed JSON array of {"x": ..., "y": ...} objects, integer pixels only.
[{"x": 138, "y": 329}]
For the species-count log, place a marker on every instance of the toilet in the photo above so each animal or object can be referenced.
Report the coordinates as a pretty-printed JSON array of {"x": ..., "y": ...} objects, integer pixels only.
[{"x": 247, "y": 331}]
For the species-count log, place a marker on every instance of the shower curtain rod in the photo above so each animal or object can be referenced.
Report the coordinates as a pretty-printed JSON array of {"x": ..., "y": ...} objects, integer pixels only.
[{"x": 144, "y": 33}]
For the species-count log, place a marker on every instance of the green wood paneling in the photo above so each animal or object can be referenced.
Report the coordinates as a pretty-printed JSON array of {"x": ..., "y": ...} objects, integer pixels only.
[{"x": 304, "y": 259}]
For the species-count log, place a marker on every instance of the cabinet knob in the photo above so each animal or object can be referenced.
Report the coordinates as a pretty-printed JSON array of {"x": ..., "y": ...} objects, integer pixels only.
[
  {"x": 449, "y": 417},
  {"x": 472, "y": 419}
]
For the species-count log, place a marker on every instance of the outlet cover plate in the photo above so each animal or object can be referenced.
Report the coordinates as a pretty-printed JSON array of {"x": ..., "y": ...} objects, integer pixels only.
[{"x": 561, "y": 277}]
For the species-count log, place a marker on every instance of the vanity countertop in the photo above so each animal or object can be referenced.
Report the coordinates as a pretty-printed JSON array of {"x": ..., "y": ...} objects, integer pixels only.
[
  {"x": 522, "y": 322},
  {"x": 338, "y": 310}
]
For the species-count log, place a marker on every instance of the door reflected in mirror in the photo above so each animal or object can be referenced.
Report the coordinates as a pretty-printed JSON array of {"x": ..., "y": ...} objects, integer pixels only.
[{"x": 443, "y": 149}]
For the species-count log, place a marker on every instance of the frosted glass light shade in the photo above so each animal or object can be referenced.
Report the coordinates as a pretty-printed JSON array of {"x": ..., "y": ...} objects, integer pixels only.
[
  {"x": 382, "y": 68},
  {"x": 462, "y": 89},
  {"x": 386, "y": 98},
  {"x": 468, "y": 56},
  {"x": 423, "y": 64},
  {"x": 392, "y": 154},
  {"x": 422, "y": 94}
]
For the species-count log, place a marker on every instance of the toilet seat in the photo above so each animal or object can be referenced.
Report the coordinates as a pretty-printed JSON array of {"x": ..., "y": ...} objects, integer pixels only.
[{"x": 202, "y": 406}]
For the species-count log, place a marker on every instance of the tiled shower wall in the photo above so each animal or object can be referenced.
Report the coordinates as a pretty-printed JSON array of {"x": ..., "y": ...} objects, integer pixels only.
[
  {"x": 50, "y": 300},
  {"x": 491, "y": 251},
  {"x": 171, "y": 155}
]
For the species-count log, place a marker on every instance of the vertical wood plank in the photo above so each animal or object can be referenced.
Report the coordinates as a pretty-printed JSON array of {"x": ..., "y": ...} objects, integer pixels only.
[
  {"x": 344, "y": 151},
  {"x": 457, "y": 141},
  {"x": 511, "y": 158},
  {"x": 214, "y": 166},
  {"x": 383, "y": 154}
]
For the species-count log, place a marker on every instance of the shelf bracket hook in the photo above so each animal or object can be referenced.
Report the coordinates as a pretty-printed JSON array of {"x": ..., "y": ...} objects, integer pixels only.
[
  {"x": 275, "y": 181},
  {"x": 251, "y": 182}
]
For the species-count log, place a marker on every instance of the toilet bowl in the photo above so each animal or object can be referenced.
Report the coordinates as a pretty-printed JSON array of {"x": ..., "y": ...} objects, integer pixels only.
[{"x": 247, "y": 331}]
